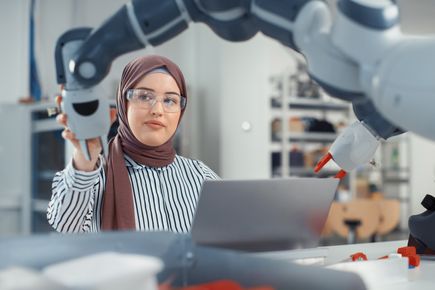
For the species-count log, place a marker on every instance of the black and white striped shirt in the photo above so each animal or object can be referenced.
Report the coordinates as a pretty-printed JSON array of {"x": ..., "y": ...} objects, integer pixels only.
[{"x": 164, "y": 198}]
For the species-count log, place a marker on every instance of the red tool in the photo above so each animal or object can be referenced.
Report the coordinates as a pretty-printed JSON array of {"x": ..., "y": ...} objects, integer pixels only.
[
  {"x": 325, "y": 159},
  {"x": 411, "y": 253},
  {"x": 358, "y": 257}
]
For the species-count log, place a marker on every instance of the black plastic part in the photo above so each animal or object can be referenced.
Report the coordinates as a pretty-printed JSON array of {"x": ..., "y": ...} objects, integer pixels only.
[
  {"x": 87, "y": 108},
  {"x": 420, "y": 247},
  {"x": 154, "y": 14},
  {"x": 374, "y": 18},
  {"x": 366, "y": 111},
  {"x": 115, "y": 37},
  {"x": 216, "y": 6},
  {"x": 70, "y": 35},
  {"x": 421, "y": 225},
  {"x": 428, "y": 202},
  {"x": 174, "y": 31}
]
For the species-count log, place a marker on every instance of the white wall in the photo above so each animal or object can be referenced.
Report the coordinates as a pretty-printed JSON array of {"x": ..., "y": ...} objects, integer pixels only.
[
  {"x": 417, "y": 16},
  {"x": 246, "y": 93},
  {"x": 13, "y": 49}
]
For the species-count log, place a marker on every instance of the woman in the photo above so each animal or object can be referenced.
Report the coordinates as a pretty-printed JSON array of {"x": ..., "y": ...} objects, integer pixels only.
[{"x": 143, "y": 184}]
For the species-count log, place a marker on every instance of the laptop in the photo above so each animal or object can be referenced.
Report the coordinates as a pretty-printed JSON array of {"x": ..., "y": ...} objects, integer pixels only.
[{"x": 263, "y": 215}]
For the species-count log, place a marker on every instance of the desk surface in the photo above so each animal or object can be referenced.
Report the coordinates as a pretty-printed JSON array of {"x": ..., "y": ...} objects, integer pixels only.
[{"x": 420, "y": 278}]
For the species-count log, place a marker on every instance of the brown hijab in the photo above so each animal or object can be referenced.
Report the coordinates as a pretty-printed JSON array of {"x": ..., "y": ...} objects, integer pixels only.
[{"x": 118, "y": 211}]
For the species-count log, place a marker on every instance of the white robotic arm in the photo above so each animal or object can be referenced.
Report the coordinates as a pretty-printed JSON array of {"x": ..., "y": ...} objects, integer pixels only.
[
  {"x": 360, "y": 56},
  {"x": 363, "y": 35}
]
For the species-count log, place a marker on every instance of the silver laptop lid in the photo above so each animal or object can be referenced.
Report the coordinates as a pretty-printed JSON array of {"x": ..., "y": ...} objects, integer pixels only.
[{"x": 263, "y": 215}]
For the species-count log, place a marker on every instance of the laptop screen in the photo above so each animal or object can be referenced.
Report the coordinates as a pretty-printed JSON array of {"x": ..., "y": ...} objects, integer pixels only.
[{"x": 263, "y": 215}]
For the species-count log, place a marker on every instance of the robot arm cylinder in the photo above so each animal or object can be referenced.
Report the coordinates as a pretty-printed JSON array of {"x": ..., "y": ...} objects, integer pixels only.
[
  {"x": 403, "y": 86},
  {"x": 132, "y": 27}
]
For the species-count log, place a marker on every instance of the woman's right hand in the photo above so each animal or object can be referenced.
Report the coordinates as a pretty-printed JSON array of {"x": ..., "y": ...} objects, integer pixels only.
[{"x": 79, "y": 160}]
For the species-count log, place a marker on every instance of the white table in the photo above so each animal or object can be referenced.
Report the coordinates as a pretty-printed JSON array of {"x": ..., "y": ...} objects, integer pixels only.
[{"x": 419, "y": 278}]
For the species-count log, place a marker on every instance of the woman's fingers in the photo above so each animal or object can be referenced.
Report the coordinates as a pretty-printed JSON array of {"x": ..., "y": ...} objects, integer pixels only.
[
  {"x": 68, "y": 134},
  {"x": 58, "y": 100},
  {"x": 62, "y": 119}
]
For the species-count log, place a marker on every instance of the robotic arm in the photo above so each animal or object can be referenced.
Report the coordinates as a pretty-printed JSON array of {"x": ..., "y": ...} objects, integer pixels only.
[{"x": 361, "y": 57}]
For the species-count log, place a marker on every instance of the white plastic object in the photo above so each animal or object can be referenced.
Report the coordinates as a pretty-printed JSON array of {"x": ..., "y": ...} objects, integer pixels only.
[
  {"x": 356, "y": 145},
  {"x": 16, "y": 278},
  {"x": 377, "y": 273},
  {"x": 108, "y": 271},
  {"x": 349, "y": 37},
  {"x": 96, "y": 124},
  {"x": 394, "y": 256},
  {"x": 311, "y": 34},
  {"x": 403, "y": 86}
]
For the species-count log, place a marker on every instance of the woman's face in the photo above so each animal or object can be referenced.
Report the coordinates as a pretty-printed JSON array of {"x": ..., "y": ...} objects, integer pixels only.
[{"x": 153, "y": 126}]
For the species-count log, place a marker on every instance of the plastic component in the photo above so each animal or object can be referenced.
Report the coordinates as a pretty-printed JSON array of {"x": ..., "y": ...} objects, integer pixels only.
[
  {"x": 358, "y": 257},
  {"x": 109, "y": 271}
]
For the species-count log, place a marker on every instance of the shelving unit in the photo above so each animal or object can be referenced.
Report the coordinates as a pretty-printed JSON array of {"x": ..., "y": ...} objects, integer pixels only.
[
  {"x": 391, "y": 176},
  {"x": 396, "y": 175},
  {"x": 285, "y": 106},
  {"x": 32, "y": 150}
]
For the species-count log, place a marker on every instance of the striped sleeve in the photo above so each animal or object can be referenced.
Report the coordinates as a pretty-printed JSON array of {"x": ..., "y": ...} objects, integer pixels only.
[
  {"x": 70, "y": 209},
  {"x": 208, "y": 173}
]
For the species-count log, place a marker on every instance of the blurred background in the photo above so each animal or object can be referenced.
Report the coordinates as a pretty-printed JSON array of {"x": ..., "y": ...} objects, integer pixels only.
[{"x": 252, "y": 113}]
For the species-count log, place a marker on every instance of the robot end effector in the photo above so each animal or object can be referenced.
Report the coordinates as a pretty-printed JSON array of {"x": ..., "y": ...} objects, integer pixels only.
[{"x": 358, "y": 143}]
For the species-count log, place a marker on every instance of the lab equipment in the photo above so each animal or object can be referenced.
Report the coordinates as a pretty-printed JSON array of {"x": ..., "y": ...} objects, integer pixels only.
[{"x": 420, "y": 225}]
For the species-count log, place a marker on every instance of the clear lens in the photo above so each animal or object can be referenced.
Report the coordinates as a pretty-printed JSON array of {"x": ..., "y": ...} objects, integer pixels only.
[{"x": 171, "y": 103}]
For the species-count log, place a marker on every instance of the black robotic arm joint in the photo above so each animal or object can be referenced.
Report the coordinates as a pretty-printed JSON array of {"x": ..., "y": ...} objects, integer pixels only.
[
  {"x": 218, "y": 6},
  {"x": 70, "y": 35},
  {"x": 366, "y": 112},
  {"x": 153, "y": 15},
  {"x": 114, "y": 38}
]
